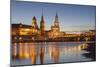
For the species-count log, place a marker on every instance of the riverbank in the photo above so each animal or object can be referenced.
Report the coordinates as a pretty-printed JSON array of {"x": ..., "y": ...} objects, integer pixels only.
[{"x": 23, "y": 41}]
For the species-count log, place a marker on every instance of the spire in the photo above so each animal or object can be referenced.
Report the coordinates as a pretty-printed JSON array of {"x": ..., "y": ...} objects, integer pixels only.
[
  {"x": 56, "y": 15},
  {"x": 42, "y": 17},
  {"x": 56, "y": 18},
  {"x": 42, "y": 24},
  {"x": 42, "y": 11},
  {"x": 56, "y": 22}
]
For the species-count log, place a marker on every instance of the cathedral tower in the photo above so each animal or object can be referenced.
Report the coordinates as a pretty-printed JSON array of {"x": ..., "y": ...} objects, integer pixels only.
[
  {"x": 42, "y": 25},
  {"x": 56, "y": 23},
  {"x": 34, "y": 24}
]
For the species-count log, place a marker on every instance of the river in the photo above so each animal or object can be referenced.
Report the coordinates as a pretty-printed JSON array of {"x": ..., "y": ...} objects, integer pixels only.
[{"x": 48, "y": 53}]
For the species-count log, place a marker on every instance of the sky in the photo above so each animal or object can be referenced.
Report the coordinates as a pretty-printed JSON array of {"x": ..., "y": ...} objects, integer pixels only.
[{"x": 71, "y": 17}]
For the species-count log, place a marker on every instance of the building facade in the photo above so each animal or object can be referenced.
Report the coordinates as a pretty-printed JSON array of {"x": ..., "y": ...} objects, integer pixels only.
[{"x": 22, "y": 29}]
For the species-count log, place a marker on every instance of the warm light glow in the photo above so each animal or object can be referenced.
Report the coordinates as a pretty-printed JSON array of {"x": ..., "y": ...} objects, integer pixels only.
[{"x": 27, "y": 29}]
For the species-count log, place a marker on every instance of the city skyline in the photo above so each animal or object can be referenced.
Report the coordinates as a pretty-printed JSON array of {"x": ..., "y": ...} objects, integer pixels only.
[
  {"x": 71, "y": 18},
  {"x": 51, "y": 33}
]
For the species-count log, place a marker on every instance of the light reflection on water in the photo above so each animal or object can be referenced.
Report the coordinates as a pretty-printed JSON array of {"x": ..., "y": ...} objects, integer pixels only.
[{"x": 47, "y": 52}]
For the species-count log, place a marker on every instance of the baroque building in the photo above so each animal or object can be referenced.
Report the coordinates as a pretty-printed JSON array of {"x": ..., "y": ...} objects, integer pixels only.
[
  {"x": 55, "y": 29},
  {"x": 23, "y": 29}
]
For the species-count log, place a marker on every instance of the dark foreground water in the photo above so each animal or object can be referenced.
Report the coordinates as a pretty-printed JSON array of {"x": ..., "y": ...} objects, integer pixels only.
[{"x": 49, "y": 52}]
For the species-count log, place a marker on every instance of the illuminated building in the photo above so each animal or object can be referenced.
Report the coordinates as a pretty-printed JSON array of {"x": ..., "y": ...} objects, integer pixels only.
[
  {"x": 25, "y": 29},
  {"x": 55, "y": 29},
  {"x": 34, "y": 24},
  {"x": 22, "y": 29}
]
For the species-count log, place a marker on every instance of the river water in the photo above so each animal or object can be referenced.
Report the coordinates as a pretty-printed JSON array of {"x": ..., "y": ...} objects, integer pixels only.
[{"x": 48, "y": 52}]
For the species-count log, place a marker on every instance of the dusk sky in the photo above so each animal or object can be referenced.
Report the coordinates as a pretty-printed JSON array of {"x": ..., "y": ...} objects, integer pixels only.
[{"x": 71, "y": 17}]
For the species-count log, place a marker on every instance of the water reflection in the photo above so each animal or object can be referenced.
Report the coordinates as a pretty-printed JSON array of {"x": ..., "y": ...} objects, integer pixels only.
[
  {"x": 54, "y": 52},
  {"x": 33, "y": 54},
  {"x": 51, "y": 52}
]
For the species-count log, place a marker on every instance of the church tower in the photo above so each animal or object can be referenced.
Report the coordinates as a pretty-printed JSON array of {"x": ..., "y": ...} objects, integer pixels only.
[
  {"x": 55, "y": 28},
  {"x": 34, "y": 24},
  {"x": 42, "y": 25},
  {"x": 56, "y": 23}
]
